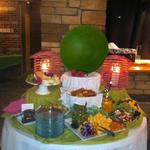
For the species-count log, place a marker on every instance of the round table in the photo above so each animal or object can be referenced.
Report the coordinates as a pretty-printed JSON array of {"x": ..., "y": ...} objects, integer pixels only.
[{"x": 13, "y": 139}]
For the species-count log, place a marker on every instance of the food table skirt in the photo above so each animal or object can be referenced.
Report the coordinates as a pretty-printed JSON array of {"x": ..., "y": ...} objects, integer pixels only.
[{"x": 13, "y": 139}]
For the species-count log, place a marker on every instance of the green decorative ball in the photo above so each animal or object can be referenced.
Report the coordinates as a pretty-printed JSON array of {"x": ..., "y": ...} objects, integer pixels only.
[{"x": 84, "y": 48}]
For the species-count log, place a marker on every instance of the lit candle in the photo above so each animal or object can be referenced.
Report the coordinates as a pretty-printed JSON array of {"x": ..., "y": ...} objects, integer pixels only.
[
  {"x": 44, "y": 67},
  {"x": 115, "y": 74},
  {"x": 45, "y": 64},
  {"x": 43, "y": 87}
]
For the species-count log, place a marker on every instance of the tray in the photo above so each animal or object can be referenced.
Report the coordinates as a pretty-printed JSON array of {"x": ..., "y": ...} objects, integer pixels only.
[{"x": 83, "y": 138}]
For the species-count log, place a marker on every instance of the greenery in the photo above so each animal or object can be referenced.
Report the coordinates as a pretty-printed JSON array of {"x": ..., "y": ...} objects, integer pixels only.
[{"x": 84, "y": 43}]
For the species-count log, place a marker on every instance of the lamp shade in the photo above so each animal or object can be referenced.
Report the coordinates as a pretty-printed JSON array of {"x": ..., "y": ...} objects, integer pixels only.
[
  {"x": 51, "y": 59},
  {"x": 115, "y": 70}
]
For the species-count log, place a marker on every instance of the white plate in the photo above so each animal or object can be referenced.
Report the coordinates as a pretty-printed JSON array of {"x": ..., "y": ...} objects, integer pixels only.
[{"x": 76, "y": 132}]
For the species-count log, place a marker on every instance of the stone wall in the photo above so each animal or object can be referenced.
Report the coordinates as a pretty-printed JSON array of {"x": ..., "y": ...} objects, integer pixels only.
[
  {"x": 10, "y": 27},
  {"x": 139, "y": 83},
  {"x": 59, "y": 16}
]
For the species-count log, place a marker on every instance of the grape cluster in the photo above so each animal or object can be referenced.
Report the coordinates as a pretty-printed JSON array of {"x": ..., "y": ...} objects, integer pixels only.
[{"x": 87, "y": 130}]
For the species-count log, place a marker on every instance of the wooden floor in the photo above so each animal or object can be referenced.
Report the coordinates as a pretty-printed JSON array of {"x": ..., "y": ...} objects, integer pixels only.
[{"x": 11, "y": 89}]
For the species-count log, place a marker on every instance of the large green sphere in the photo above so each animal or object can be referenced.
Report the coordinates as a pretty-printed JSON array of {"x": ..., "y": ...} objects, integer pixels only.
[{"x": 84, "y": 48}]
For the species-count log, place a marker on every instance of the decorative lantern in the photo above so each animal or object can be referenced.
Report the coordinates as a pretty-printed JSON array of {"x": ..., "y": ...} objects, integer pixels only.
[
  {"x": 47, "y": 69},
  {"x": 47, "y": 62},
  {"x": 45, "y": 65},
  {"x": 115, "y": 70}
]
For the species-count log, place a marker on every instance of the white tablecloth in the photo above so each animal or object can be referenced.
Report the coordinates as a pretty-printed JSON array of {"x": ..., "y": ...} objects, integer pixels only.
[
  {"x": 92, "y": 81},
  {"x": 13, "y": 139}
]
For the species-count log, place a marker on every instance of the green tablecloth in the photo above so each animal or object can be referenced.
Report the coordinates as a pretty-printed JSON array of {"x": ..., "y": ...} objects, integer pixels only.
[
  {"x": 9, "y": 60},
  {"x": 32, "y": 97},
  {"x": 68, "y": 137}
]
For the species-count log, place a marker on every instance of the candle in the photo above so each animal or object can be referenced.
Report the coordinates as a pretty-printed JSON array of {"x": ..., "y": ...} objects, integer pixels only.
[
  {"x": 45, "y": 64},
  {"x": 43, "y": 87},
  {"x": 115, "y": 74},
  {"x": 44, "y": 67}
]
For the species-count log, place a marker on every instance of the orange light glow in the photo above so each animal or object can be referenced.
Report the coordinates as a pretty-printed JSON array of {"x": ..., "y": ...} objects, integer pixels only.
[
  {"x": 137, "y": 68},
  {"x": 6, "y": 9},
  {"x": 45, "y": 65},
  {"x": 140, "y": 65}
]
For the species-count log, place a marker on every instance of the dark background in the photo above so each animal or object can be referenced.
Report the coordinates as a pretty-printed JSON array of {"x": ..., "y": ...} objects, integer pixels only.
[{"x": 128, "y": 24}]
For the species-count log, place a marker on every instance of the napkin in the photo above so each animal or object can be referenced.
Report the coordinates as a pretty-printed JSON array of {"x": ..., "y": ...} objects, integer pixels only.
[{"x": 15, "y": 106}]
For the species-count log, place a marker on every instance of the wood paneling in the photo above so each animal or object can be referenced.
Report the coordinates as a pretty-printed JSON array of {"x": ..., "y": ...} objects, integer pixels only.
[{"x": 35, "y": 26}]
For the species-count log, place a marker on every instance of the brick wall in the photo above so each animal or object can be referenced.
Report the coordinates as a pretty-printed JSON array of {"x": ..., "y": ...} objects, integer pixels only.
[
  {"x": 139, "y": 83},
  {"x": 59, "y": 16},
  {"x": 10, "y": 27}
]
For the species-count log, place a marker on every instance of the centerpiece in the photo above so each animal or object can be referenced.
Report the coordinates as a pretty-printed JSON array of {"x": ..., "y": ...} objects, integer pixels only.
[
  {"x": 91, "y": 111},
  {"x": 47, "y": 77},
  {"x": 83, "y": 50}
]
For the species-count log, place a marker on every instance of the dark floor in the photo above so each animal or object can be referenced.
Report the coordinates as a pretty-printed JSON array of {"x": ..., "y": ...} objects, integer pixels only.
[{"x": 11, "y": 89}]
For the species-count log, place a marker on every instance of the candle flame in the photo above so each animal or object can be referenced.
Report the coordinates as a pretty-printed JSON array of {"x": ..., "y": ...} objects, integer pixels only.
[{"x": 45, "y": 65}]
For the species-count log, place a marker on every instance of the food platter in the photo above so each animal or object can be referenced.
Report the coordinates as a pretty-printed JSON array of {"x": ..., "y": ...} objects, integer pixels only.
[
  {"x": 76, "y": 132},
  {"x": 84, "y": 138},
  {"x": 89, "y": 123}
]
